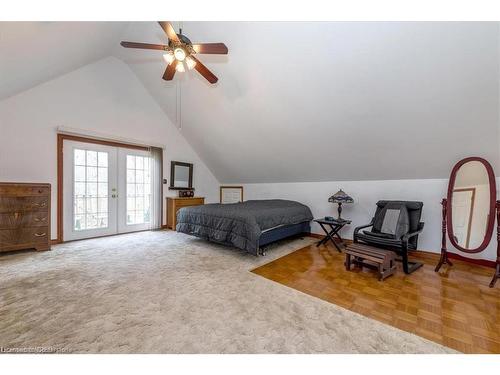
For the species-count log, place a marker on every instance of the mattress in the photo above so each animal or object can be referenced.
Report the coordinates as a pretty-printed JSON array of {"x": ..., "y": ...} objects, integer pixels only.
[{"x": 240, "y": 224}]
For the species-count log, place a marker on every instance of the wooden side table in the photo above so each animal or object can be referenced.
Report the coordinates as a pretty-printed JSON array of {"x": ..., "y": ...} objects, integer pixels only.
[{"x": 332, "y": 229}]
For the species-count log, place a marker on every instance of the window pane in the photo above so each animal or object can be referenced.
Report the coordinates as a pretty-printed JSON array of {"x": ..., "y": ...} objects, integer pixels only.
[
  {"x": 130, "y": 176},
  {"x": 130, "y": 217},
  {"x": 130, "y": 162},
  {"x": 102, "y": 159},
  {"x": 139, "y": 204},
  {"x": 91, "y": 221},
  {"x": 102, "y": 221},
  {"x": 91, "y": 189},
  {"x": 102, "y": 189},
  {"x": 92, "y": 158},
  {"x": 79, "y": 222},
  {"x": 139, "y": 190},
  {"x": 139, "y": 163},
  {"x": 102, "y": 205},
  {"x": 91, "y": 206},
  {"x": 139, "y": 217},
  {"x": 130, "y": 204},
  {"x": 130, "y": 190},
  {"x": 79, "y": 206},
  {"x": 92, "y": 174},
  {"x": 79, "y": 189},
  {"x": 102, "y": 174},
  {"x": 79, "y": 173},
  {"x": 139, "y": 176},
  {"x": 79, "y": 157}
]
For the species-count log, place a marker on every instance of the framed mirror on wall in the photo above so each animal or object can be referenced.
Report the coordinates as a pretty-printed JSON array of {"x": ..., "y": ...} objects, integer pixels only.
[
  {"x": 181, "y": 176},
  {"x": 469, "y": 211}
]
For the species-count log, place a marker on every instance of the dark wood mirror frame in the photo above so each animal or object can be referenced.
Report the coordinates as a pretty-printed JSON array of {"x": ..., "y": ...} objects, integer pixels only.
[
  {"x": 172, "y": 175},
  {"x": 447, "y": 224}
]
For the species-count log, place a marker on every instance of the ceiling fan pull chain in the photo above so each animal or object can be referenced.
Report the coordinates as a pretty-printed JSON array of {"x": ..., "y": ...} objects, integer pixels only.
[{"x": 179, "y": 104}]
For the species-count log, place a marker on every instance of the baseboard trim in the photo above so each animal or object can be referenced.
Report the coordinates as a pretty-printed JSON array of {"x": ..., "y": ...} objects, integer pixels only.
[{"x": 479, "y": 262}]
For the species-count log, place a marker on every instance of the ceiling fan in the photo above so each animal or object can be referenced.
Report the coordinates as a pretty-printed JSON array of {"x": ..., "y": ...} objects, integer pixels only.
[{"x": 180, "y": 50}]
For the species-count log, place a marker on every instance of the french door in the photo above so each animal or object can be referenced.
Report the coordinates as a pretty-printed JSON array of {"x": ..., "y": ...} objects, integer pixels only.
[{"x": 107, "y": 190}]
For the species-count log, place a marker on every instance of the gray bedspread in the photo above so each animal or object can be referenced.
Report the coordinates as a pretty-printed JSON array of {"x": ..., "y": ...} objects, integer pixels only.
[{"x": 240, "y": 224}]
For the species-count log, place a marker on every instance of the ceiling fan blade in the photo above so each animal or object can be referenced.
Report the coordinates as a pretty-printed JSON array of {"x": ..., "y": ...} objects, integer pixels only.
[
  {"x": 203, "y": 70},
  {"x": 169, "y": 30},
  {"x": 211, "y": 48},
  {"x": 145, "y": 46},
  {"x": 170, "y": 71}
]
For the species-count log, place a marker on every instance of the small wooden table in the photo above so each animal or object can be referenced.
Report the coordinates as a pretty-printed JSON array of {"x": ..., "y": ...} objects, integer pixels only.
[
  {"x": 368, "y": 256},
  {"x": 335, "y": 226}
]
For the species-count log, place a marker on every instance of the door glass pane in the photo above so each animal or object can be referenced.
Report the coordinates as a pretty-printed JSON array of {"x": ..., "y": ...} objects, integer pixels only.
[
  {"x": 90, "y": 190},
  {"x": 138, "y": 189}
]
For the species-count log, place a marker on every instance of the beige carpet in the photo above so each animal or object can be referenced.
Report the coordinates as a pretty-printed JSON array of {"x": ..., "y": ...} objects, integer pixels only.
[{"x": 165, "y": 292}]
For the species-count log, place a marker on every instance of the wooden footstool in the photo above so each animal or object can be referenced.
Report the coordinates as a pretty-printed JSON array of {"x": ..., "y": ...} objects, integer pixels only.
[{"x": 368, "y": 256}]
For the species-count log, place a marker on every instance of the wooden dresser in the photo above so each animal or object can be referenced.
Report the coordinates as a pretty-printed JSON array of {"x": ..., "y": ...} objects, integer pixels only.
[
  {"x": 24, "y": 216},
  {"x": 174, "y": 204}
]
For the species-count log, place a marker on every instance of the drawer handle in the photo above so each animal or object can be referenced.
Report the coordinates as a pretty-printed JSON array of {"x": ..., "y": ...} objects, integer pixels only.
[
  {"x": 39, "y": 219},
  {"x": 43, "y": 204},
  {"x": 40, "y": 234},
  {"x": 16, "y": 215}
]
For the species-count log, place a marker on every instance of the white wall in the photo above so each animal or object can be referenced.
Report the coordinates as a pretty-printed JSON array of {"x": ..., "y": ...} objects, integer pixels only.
[
  {"x": 104, "y": 97},
  {"x": 366, "y": 194}
]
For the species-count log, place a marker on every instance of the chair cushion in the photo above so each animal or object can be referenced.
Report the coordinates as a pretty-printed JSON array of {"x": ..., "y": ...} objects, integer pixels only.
[
  {"x": 378, "y": 234},
  {"x": 375, "y": 240},
  {"x": 414, "y": 211},
  {"x": 393, "y": 221}
]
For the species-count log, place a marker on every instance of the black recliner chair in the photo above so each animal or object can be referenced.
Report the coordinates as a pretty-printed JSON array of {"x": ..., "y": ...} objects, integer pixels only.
[{"x": 395, "y": 226}]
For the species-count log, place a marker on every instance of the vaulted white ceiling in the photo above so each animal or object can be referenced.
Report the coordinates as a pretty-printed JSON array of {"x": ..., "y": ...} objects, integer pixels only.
[
  {"x": 35, "y": 52},
  {"x": 318, "y": 101}
]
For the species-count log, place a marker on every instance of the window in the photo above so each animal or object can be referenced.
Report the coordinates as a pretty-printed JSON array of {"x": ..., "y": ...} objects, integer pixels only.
[
  {"x": 138, "y": 189},
  {"x": 90, "y": 196}
]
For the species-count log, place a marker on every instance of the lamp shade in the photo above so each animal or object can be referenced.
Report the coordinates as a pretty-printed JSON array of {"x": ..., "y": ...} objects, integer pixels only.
[{"x": 340, "y": 197}]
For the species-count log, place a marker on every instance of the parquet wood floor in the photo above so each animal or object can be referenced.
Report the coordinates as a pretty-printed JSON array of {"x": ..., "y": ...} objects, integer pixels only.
[{"x": 454, "y": 307}]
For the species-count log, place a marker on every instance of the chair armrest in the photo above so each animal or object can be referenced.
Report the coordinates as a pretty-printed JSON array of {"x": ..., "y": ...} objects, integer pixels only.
[
  {"x": 407, "y": 236},
  {"x": 357, "y": 229}
]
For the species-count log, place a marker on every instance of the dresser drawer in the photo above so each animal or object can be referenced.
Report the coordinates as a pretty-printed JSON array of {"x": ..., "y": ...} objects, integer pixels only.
[
  {"x": 21, "y": 190},
  {"x": 24, "y": 236},
  {"x": 13, "y": 220},
  {"x": 19, "y": 204}
]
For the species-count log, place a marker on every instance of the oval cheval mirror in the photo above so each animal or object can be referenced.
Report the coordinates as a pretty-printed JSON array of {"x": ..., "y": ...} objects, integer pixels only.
[{"x": 470, "y": 210}]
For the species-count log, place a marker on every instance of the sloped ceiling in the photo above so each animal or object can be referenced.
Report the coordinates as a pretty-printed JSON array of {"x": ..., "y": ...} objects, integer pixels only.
[
  {"x": 333, "y": 101},
  {"x": 35, "y": 52},
  {"x": 320, "y": 101}
]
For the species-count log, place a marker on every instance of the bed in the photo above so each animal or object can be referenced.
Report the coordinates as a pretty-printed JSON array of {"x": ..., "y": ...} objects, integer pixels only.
[{"x": 249, "y": 225}]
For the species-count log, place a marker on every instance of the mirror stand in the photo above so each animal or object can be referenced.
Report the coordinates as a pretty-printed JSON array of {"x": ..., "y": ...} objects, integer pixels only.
[
  {"x": 497, "y": 268},
  {"x": 444, "y": 251}
]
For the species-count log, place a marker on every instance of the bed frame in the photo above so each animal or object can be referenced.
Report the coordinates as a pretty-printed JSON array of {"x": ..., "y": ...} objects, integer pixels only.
[{"x": 280, "y": 233}]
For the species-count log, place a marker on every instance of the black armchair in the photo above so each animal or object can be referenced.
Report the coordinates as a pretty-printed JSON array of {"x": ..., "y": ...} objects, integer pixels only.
[{"x": 395, "y": 226}]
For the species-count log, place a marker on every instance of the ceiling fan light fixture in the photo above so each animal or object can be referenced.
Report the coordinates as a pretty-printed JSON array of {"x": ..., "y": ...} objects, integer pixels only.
[
  {"x": 179, "y": 54},
  {"x": 190, "y": 62},
  {"x": 169, "y": 57},
  {"x": 180, "y": 67}
]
